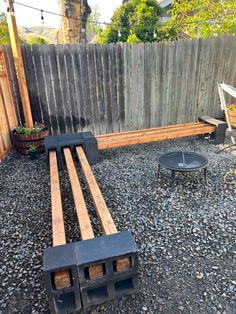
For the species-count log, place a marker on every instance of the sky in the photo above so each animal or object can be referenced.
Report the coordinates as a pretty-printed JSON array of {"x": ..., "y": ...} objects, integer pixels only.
[{"x": 29, "y": 17}]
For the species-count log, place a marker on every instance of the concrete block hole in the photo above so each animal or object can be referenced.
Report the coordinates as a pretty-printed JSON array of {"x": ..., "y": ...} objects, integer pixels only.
[
  {"x": 95, "y": 271},
  {"x": 61, "y": 279},
  {"x": 65, "y": 302},
  {"x": 124, "y": 285},
  {"x": 122, "y": 264},
  {"x": 99, "y": 294}
]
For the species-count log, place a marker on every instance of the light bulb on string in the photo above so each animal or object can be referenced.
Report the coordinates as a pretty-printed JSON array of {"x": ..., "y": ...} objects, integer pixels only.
[
  {"x": 42, "y": 17},
  {"x": 155, "y": 35},
  {"x": 119, "y": 33}
]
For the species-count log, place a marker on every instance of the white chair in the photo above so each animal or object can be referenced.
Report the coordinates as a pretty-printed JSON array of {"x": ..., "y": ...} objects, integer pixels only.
[{"x": 222, "y": 87}]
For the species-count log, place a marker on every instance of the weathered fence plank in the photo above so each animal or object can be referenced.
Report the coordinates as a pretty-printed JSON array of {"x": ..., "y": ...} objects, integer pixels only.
[{"x": 123, "y": 87}]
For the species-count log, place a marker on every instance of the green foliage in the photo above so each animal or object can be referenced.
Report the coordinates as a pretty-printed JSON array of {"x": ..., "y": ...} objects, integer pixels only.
[
  {"x": 37, "y": 41},
  {"x": 136, "y": 21},
  {"x": 203, "y": 18},
  {"x": 232, "y": 107},
  {"x": 37, "y": 128},
  {"x": 32, "y": 148},
  {"x": 4, "y": 34},
  {"x": 133, "y": 39}
]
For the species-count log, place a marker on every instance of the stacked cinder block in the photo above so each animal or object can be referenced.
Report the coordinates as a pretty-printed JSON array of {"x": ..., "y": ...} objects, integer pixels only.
[
  {"x": 93, "y": 270},
  {"x": 107, "y": 251},
  {"x": 84, "y": 139}
]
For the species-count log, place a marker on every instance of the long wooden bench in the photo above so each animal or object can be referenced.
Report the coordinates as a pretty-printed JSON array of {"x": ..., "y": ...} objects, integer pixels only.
[
  {"x": 154, "y": 134},
  {"x": 62, "y": 278}
]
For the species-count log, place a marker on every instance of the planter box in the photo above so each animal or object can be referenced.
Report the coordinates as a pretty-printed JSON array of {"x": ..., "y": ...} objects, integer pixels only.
[
  {"x": 23, "y": 141},
  {"x": 232, "y": 118}
]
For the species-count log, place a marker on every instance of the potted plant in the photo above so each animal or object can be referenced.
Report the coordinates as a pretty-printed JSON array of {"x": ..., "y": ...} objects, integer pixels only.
[
  {"x": 25, "y": 137},
  {"x": 231, "y": 108},
  {"x": 33, "y": 152}
]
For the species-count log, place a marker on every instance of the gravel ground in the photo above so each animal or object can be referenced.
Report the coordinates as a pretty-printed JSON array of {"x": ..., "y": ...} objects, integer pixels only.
[{"x": 186, "y": 239}]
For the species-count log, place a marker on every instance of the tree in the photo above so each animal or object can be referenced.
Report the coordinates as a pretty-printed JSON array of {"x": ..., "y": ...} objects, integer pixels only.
[
  {"x": 203, "y": 18},
  {"x": 37, "y": 41},
  {"x": 93, "y": 19},
  {"x": 136, "y": 21},
  {"x": 4, "y": 34}
]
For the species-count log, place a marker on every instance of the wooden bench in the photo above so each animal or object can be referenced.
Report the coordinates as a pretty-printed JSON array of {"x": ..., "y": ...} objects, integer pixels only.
[
  {"x": 155, "y": 134},
  {"x": 62, "y": 278}
]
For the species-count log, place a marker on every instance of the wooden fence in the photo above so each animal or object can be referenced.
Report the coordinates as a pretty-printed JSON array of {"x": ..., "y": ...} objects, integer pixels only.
[
  {"x": 8, "y": 119},
  {"x": 123, "y": 87}
]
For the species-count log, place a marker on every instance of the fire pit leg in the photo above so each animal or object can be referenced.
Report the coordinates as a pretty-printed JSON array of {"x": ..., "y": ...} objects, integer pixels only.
[
  {"x": 205, "y": 175},
  {"x": 158, "y": 171},
  {"x": 173, "y": 175}
]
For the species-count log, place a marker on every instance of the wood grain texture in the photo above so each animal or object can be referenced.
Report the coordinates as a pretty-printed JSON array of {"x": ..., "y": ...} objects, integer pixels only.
[
  {"x": 58, "y": 229},
  {"x": 153, "y": 136},
  {"x": 97, "y": 197},
  {"x": 86, "y": 229},
  {"x": 61, "y": 278},
  {"x": 19, "y": 66}
]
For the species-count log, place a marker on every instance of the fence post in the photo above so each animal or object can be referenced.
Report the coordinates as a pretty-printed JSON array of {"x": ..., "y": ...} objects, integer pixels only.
[{"x": 20, "y": 72}]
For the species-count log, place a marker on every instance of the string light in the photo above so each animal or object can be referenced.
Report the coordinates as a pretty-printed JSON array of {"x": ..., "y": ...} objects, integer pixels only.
[
  {"x": 119, "y": 33},
  {"x": 42, "y": 17},
  {"x": 196, "y": 22}
]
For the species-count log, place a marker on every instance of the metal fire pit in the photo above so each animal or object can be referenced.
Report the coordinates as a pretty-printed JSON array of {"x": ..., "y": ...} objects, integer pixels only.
[{"x": 182, "y": 162}]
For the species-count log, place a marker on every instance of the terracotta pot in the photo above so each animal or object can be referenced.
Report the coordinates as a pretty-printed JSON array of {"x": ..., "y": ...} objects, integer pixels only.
[
  {"x": 23, "y": 141},
  {"x": 232, "y": 118}
]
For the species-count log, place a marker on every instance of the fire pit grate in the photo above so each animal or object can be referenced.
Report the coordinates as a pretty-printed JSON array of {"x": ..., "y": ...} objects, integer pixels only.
[{"x": 180, "y": 161}]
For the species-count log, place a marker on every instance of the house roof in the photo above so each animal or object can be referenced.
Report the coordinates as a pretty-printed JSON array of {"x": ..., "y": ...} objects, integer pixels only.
[{"x": 164, "y": 3}]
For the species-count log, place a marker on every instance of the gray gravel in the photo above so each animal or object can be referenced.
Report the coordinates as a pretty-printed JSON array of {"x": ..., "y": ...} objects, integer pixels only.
[{"x": 186, "y": 239}]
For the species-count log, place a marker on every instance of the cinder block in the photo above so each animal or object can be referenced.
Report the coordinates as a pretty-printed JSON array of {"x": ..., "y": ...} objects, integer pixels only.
[
  {"x": 221, "y": 126},
  {"x": 104, "y": 291},
  {"x": 59, "y": 259},
  {"x": 72, "y": 140},
  {"x": 78, "y": 258},
  {"x": 105, "y": 251}
]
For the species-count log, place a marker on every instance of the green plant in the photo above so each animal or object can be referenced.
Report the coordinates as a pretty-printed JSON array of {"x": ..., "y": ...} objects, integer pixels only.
[
  {"x": 37, "y": 128},
  {"x": 203, "y": 18},
  {"x": 136, "y": 21},
  {"x": 231, "y": 107},
  {"x": 32, "y": 148},
  {"x": 37, "y": 41}
]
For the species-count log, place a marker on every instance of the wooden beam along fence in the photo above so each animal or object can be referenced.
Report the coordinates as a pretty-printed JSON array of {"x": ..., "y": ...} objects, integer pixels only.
[{"x": 154, "y": 134}]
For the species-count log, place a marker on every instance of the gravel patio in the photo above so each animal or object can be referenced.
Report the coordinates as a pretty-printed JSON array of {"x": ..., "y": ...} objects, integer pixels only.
[{"x": 186, "y": 239}]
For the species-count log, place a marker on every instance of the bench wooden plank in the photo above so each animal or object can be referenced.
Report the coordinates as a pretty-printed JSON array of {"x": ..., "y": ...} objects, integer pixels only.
[
  {"x": 58, "y": 228},
  {"x": 86, "y": 229},
  {"x": 61, "y": 278},
  {"x": 159, "y": 136},
  {"x": 211, "y": 120},
  {"x": 153, "y": 132},
  {"x": 159, "y": 129},
  {"x": 103, "y": 213},
  {"x": 98, "y": 200}
]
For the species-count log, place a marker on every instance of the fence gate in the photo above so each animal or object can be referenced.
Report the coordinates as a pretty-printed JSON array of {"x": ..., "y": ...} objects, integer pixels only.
[{"x": 8, "y": 118}]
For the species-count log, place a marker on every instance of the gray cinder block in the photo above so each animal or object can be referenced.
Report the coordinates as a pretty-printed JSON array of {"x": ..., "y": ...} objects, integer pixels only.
[
  {"x": 84, "y": 139},
  {"x": 105, "y": 291},
  {"x": 57, "y": 259},
  {"x": 106, "y": 250}
]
